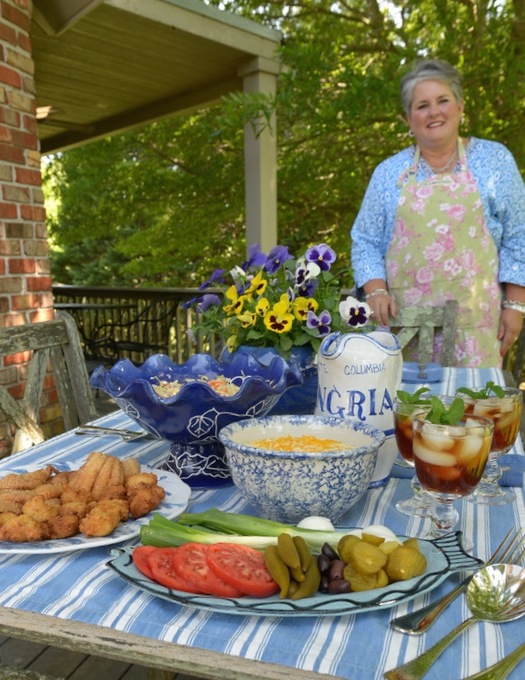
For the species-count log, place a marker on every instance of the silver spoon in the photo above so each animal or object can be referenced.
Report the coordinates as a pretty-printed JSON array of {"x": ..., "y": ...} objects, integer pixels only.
[{"x": 496, "y": 593}]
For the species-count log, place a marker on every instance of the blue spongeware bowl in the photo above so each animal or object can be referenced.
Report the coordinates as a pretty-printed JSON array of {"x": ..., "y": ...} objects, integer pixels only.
[
  {"x": 192, "y": 418},
  {"x": 287, "y": 486}
]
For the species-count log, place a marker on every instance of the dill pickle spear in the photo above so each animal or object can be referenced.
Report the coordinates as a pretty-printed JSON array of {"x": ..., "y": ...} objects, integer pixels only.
[
  {"x": 311, "y": 583},
  {"x": 304, "y": 552},
  {"x": 287, "y": 551},
  {"x": 278, "y": 569}
]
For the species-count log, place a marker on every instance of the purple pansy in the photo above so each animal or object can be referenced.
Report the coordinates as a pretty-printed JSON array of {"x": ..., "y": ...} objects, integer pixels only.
[
  {"x": 322, "y": 255},
  {"x": 320, "y": 323},
  {"x": 216, "y": 277},
  {"x": 276, "y": 258},
  {"x": 208, "y": 300},
  {"x": 256, "y": 258}
]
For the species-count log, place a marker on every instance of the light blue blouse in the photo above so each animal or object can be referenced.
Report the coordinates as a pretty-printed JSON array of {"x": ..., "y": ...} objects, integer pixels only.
[{"x": 502, "y": 191}]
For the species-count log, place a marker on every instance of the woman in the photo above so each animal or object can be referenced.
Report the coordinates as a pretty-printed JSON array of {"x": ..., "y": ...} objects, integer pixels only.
[{"x": 445, "y": 219}]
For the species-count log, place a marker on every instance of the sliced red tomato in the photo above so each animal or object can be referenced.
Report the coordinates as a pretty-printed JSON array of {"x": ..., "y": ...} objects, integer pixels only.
[
  {"x": 243, "y": 568},
  {"x": 190, "y": 564},
  {"x": 140, "y": 559},
  {"x": 161, "y": 565}
]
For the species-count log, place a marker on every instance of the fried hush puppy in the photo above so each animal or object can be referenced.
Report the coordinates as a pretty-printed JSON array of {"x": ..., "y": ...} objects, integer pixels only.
[{"x": 93, "y": 500}]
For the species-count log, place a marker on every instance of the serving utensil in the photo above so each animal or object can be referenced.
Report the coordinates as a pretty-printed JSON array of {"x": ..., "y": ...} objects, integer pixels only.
[
  {"x": 127, "y": 435},
  {"x": 496, "y": 593},
  {"x": 502, "y": 668},
  {"x": 510, "y": 550}
]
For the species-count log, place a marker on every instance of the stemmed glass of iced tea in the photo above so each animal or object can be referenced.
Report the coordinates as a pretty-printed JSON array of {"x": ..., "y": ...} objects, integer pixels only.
[
  {"x": 451, "y": 449},
  {"x": 503, "y": 405},
  {"x": 405, "y": 407}
]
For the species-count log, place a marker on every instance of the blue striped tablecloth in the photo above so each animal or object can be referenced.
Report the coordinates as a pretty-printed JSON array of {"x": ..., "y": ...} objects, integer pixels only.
[{"x": 80, "y": 587}]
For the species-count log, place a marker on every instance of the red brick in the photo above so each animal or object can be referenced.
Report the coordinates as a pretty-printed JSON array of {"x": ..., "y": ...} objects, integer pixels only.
[
  {"x": 28, "y": 176},
  {"x": 7, "y": 34},
  {"x": 5, "y": 134},
  {"x": 13, "y": 154},
  {"x": 33, "y": 213},
  {"x": 25, "y": 140},
  {"x": 42, "y": 314},
  {"x": 22, "y": 266},
  {"x": 36, "y": 283},
  {"x": 17, "y": 359},
  {"x": 16, "y": 16},
  {"x": 9, "y": 76},
  {"x": 30, "y": 125}
]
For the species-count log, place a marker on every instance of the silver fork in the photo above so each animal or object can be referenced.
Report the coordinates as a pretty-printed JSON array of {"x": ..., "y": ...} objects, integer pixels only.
[
  {"x": 127, "y": 435},
  {"x": 510, "y": 550}
]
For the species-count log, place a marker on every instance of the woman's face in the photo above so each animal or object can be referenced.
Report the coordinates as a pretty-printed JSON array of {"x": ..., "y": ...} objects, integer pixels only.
[{"x": 434, "y": 114}]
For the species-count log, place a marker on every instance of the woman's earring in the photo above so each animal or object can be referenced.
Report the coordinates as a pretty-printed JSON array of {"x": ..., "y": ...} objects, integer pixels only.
[{"x": 410, "y": 133}]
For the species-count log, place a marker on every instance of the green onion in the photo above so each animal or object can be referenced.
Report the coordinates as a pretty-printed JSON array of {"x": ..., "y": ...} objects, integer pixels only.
[{"x": 215, "y": 526}]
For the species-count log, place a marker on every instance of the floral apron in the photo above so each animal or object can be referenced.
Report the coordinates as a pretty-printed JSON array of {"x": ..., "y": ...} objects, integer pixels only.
[{"x": 441, "y": 249}]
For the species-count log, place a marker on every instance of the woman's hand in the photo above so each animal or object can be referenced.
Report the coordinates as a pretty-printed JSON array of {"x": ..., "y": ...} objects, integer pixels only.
[
  {"x": 383, "y": 307},
  {"x": 382, "y": 304},
  {"x": 510, "y": 325}
]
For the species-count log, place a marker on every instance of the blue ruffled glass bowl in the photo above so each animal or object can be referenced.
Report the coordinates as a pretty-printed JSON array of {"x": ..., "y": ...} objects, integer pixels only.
[{"x": 191, "y": 419}]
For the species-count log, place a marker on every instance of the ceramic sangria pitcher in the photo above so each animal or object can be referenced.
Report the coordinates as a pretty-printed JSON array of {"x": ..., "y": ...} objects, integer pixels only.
[{"x": 359, "y": 374}]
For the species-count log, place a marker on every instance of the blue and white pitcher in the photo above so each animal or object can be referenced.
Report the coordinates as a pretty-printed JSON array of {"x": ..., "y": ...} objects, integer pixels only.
[{"x": 359, "y": 374}]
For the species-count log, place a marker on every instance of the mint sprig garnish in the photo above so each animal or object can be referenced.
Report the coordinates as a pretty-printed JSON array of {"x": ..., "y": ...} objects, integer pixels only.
[
  {"x": 484, "y": 393},
  {"x": 439, "y": 414},
  {"x": 407, "y": 398}
]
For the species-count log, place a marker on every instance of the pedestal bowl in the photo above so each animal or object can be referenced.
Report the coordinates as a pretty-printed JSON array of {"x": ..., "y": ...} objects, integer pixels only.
[{"x": 188, "y": 404}]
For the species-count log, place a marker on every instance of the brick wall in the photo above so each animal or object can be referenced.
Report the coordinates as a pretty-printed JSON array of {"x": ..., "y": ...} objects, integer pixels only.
[{"x": 25, "y": 282}]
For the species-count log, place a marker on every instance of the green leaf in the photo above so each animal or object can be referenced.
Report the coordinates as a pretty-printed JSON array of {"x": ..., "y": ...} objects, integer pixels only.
[
  {"x": 415, "y": 398},
  {"x": 484, "y": 393},
  {"x": 439, "y": 414}
]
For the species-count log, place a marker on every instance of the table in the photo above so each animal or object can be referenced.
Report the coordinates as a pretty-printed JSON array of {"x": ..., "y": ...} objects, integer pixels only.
[{"x": 73, "y": 600}]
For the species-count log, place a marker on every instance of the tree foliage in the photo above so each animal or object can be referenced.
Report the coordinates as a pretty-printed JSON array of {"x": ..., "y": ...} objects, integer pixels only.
[{"x": 164, "y": 205}]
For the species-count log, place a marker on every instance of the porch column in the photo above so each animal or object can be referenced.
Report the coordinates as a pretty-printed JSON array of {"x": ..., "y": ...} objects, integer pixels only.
[{"x": 260, "y": 159}]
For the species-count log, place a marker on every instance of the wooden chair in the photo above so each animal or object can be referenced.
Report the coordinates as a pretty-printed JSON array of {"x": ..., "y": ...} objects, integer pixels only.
[
  {"x": 56, "y": 344},
  {"x": 423, "y": 323}
]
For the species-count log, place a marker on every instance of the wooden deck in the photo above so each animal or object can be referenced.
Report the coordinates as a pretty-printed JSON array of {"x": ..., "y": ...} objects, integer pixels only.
[{"x": 34, "y": 661}]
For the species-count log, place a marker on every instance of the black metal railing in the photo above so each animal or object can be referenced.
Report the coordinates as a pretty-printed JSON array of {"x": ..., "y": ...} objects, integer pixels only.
[{"x": 120, "y": 322}]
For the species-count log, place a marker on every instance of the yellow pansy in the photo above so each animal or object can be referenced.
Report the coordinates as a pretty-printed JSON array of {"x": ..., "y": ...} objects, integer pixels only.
[
  {"x": 303, "y": 305},
  {"x": 236, "y": 302},
  {"x": 258, "y": 285},
  {"x": 279, "y": 319},
  {"x": 262, "y": 306}
]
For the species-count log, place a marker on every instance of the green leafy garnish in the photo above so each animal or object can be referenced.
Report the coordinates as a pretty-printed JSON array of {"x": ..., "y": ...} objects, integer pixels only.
[
  {"x": 407, "y": 398},
  {"x": 439, "y": 414},
  {"x": 485, "y": 392}
]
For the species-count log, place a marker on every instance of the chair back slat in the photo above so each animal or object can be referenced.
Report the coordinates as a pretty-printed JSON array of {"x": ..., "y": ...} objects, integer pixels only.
[
  {"x": 51, "y": 344},
  {"x": 422, "y": 323}
]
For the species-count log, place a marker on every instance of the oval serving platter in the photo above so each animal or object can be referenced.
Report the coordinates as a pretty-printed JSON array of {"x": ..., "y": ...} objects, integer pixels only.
[
  {"x": 444, "y": 557},
  {"x": 175, "y": 502}
]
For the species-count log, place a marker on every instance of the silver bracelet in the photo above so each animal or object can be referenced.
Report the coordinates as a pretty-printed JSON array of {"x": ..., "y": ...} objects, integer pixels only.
[
  {"x": 377, "y": 291},
  {"x": 516, "y": 305}
]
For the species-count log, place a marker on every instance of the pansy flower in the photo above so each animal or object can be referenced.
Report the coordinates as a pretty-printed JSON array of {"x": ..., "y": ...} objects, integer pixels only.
[
  {"x": 322, "y": 255},
  {"x": 276, "y": 259},
  {"x": 320, "y": 323},
  {"x": 278, "y": 319},
  {"x": 354, "y": 313}
]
